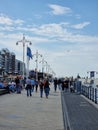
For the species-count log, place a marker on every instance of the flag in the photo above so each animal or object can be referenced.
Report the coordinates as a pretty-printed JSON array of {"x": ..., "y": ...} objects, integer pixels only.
[{"x": 29, "y": 53}]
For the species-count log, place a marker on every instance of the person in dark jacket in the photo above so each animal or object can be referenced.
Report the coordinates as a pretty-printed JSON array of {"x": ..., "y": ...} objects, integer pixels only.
[
  {"x": 41, "y": 86},
  {"x": 55, "y": 84},
  {"x": 46, "y": 87},
  {"x": 18, "y": 86}
]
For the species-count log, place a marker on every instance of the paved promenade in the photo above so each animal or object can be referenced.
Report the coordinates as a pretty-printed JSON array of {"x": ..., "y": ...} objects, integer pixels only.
[
  {"x": 17, "y": 112},
  {"x": 80, "y": 112}
]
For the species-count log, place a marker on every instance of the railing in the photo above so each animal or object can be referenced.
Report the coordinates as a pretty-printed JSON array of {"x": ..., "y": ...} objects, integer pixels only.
[{"x": 90, "y": 92}]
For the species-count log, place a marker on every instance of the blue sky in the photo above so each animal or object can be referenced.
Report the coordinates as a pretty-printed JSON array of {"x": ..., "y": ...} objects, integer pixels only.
[{"x": 63, "y": 31}]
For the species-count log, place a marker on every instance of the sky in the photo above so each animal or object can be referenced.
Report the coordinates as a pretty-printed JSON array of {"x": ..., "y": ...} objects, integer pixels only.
[{"x": 64, "y": 32}]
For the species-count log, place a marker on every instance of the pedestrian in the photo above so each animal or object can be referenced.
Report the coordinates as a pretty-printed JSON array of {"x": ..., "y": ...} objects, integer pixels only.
[
  {"x": 41, "y": 86},
  {"x": 33, "y": 84},
  {"x": 46, "y": 87},
  {"x": 66, "y": 82},
  {"x": 18, "y": 86},
  {"x": 55, "y": 84},
  {"x": 59, "y": 84},
  {"x": 28, "y": 87},
  {"x": 36, "y": 85}
]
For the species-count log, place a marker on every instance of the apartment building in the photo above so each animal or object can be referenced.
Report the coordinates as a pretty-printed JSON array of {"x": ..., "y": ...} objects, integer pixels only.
[
  {"x": 19, "y": 67},
  {"x": 9, "y": 64}
]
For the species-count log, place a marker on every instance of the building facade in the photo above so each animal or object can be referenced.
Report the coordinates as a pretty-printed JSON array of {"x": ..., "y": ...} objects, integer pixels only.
[
  {"x": 19, "y": 67},
  {"x": 9, "y": 64}
]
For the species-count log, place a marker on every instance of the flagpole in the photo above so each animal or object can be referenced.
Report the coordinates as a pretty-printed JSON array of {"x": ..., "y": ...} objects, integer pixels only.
[
  {"x": 27, "y": 72},
  {"x": 27, "y": 75}
]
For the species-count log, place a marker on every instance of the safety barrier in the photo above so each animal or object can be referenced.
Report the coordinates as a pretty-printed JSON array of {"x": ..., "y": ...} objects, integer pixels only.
[{"x": 90, "y": 92}]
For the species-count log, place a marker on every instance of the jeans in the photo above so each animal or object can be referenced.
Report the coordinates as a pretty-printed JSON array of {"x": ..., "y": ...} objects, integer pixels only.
[
  {"x": 41, "y": 93},
  {"x": 47, "y": 92},
  {"x": 29, "y": 91},
  {"x": 55, "y": 87},
  {"x": 18, "y": 89}
]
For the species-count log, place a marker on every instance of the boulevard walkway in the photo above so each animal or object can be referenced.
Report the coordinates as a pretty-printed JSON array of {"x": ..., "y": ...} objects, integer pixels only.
[
  {"x": 19, "y": 112},
  {"x": 79, "y": 112}
]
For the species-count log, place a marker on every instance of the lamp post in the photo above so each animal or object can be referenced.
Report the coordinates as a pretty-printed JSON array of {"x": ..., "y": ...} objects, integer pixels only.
[
  {"x": 46, "y": 68},
  {"x": 37, "y": 55},
  {"x": 23, "y": 41},
  {"x": 43, "y": 61}
]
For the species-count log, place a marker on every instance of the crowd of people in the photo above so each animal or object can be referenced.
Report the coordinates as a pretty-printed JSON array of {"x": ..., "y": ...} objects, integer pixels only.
[
  {"x": 67, "y": 84},
  {"x": 29, "y": 84},
  {"x": 42, "y": 85},
  {"x": 12, "y": 86}
]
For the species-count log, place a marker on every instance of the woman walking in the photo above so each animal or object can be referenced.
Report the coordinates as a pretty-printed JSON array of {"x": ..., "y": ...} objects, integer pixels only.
[{"x": 46, "y": 88}]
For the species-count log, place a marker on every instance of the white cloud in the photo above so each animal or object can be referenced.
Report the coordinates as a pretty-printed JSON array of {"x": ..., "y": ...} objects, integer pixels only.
[
  {"x": 67, "y": 53},
  {"x": 74, "y": 53},
  {"x": 60, "y": 32},
  {"x": 79, "y": 58},
  {"x": 18, "y": 21},
  {"x": 7, "y": 28},
  {"x": 5, "y": 20},
  {"x": 81, "y": 25},
  {"x": 54, "y": 32},
  {"x": 59, "y": 10}
]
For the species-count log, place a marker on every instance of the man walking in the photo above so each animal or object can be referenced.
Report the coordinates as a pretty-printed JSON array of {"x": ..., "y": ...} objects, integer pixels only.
[{"x": 29, "y": 87}]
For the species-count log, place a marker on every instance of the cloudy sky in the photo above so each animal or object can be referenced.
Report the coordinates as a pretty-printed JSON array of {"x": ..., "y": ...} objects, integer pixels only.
[{"x": 63, "y": 31}]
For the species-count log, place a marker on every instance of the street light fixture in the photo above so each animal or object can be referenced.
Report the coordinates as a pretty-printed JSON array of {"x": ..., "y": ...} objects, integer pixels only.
[
  {"x": 43, "y": 65},
  {"x": 23, "y": 41},
  {"x": 42, "y": 61},
  {"x": 37, "y": 55}
]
